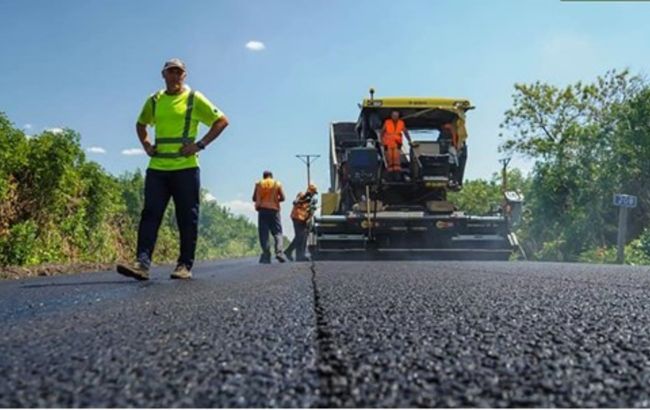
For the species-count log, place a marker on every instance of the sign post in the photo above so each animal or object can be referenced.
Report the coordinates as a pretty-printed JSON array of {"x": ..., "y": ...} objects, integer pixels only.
[{"x": 623, "y": 202}]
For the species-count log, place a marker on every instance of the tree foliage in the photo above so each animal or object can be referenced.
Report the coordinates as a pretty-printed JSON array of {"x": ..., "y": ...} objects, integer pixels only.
[
  {"x": 58, "y": 207},
  {"x": 485, "y": 197},
  {"x": 588, "y": 141}
]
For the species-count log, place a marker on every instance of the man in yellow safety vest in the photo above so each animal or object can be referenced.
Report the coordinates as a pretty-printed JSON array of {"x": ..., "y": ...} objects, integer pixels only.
[{"x": 173, "y": 170}]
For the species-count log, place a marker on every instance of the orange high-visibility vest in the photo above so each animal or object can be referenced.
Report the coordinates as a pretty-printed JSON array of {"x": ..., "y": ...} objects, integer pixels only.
[
  {"x": 301, "y": 208},
  {"x": 393, "y": 132},
  {"x": 266, "y": 194}
]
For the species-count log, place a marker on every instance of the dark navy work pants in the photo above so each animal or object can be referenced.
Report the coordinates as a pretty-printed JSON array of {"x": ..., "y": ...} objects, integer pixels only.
[
  {"x": 299, "y": 242},
  {"x": 268, "y": 221},
  {"x": 184, "y": 188}
]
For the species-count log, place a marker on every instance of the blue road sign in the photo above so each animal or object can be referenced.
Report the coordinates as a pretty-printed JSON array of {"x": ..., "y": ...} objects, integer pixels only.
[{"x": 625, "y": 201}]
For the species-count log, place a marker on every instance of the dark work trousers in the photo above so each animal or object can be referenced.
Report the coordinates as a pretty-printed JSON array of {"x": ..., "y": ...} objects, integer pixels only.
[
  {"x": 184, "y": 187},
  {"x": 299, "y": 242},
  {"x": 268, "y": 220}
]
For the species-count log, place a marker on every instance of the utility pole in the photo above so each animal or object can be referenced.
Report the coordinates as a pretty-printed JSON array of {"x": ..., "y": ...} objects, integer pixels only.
[{"x": 307, "y": 159}]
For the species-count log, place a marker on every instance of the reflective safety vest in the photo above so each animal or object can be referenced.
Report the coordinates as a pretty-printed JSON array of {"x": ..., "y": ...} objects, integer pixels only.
[
  {"x": 169, "y": 146},
  {"x": 301, "y": 208},
  {"x": 266, "y": 194},
  {"x": 393, "y": 132}
]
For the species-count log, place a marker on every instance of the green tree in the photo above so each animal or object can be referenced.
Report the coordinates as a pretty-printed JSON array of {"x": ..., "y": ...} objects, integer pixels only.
[
  {"x": 58, "y": 207},
  {"x": 484, "y": 197},
  {"x": 588, "y": 141}
]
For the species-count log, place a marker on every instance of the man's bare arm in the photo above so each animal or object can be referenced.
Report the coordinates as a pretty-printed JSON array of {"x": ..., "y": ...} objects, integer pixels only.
[{"x": 213, "y": 133}]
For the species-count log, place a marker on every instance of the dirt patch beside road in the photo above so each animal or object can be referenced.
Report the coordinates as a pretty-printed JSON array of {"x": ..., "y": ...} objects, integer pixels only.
[{"x": 19, "y": 272}]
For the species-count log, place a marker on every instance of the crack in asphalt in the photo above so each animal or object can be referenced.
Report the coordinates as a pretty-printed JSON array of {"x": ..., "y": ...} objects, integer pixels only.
[{"x": 332, "y": 371}]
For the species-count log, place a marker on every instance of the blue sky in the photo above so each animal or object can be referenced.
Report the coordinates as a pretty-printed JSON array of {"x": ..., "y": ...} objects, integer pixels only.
[{"x": 89, "y": 65}]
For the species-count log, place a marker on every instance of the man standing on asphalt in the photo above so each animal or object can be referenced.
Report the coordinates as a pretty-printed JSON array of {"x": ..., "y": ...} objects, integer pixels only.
[
  {"x": 267, "y": 196},
  {"x": 303, "y": 209},
  {"x": 173, "y": 170}
]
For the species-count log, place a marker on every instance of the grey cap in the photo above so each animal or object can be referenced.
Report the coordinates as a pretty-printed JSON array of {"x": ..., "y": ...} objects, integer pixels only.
[{"x": 174, "y": 62}]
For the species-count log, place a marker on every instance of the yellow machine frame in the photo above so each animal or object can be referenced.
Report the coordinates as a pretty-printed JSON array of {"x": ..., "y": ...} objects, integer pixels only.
[{"x": 415, "y": 106}]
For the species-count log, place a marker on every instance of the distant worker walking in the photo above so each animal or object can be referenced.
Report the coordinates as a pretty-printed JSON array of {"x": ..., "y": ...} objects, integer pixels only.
[
  {"x": 304, "y": 207},
  {"x": 391, "y": 139},
  {"x": 267, "y": 196},
  {"x": 173, "y": 170}
]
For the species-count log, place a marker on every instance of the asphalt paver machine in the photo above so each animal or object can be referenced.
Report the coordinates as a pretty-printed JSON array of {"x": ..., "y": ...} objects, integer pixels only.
[{"x": 368, "y": 215}]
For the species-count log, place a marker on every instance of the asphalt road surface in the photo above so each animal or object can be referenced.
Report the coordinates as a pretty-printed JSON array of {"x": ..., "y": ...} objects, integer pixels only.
[{"x": 332, "y": 334}]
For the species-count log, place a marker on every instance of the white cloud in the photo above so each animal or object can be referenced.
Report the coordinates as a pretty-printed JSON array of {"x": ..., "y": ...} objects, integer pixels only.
[
  {"x": 255, "y": 45},
  {"x": 209, "y": 197},
  {"x": 27, "y": 126},
  {"x": 244, "y": 208},
  {"x": 96, "y": 150},
  {"x": 133, "y": 151},
  {"x": 54, "y": 130}
]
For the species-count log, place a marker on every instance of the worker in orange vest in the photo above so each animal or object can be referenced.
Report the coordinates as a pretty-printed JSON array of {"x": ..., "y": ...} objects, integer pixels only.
[
  {"x": 303, "y": 209},
  {"x": 267, "y": 197},
  {"x": 391, "y": 139}
]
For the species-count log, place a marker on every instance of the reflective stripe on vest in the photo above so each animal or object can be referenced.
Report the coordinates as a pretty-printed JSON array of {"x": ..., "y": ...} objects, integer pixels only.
[
  {"x": 393, "y": 132},
  {"x": 266, "y": 195},
  {"x": 185, "y": 139}
]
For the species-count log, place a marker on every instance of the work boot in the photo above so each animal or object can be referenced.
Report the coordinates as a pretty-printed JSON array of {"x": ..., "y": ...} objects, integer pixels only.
[
  {"x": 288, "y": 256},
  {"x": 265, "y": 258},
  {"x": 181, "y": 272},
  {"x": 281, "y": 257},
  {"x": 136, "y": 271}
]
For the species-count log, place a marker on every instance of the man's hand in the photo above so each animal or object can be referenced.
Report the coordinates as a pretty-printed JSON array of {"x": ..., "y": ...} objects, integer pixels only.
[
  {"x": 149, "y": 148},
  {"x": 190, "y": 149}
]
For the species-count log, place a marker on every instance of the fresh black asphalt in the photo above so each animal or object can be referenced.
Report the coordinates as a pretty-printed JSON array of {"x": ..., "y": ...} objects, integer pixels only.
[{"x": 345, "y": 334}]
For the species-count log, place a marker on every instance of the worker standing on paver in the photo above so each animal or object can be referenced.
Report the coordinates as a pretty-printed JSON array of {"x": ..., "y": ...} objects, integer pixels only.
[
  {"x": 173, "y": 170},
  {"x": 304, "y": 207},
  {"x": 391, "y": 139},
  {"x": 267, "y": 196}
]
